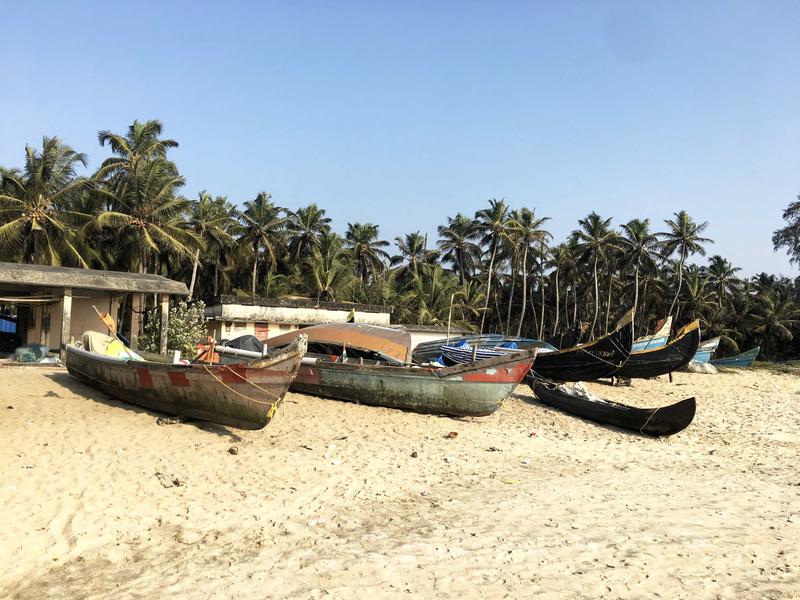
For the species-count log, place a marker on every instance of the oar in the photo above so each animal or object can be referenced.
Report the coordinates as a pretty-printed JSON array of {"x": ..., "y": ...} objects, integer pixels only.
[{"x": 108, "y": 321}]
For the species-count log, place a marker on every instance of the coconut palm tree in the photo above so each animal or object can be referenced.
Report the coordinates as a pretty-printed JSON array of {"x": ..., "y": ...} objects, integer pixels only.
[
  {"x": 722, "y": 276},
  {"x": 457, "y": 244},
  {"x": 594, "y": 239},
  {"x": 306, "y": 227},
  {"x": 531, "y": 237},
  {"x": 683, "y": 238},
  {"x": 775, "y": 319},
  {"x": 141, "y": 143},
  {"x": 40, "y": 207},
  {"x": 148, "y": 219},
  {"x": 413, "y": 254},
  {"x": 264, "y": 226},
  {"x": 640, "y": 250},
  {"x": 495, "y": 225},
  {"x": 366, "y": 250},
  {"x": 210, "y": 222},
  {"x": 328, "y": 275}
]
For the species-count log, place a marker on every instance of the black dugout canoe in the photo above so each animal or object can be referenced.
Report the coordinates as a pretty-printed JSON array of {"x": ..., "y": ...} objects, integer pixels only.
[
  {"x": 660, "y": 361},
  {"x": 665, "y": 420},
  {"x": 597, "y": 359}
]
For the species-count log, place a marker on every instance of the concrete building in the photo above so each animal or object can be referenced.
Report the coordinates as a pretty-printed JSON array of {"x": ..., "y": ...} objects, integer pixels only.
[
  {"x": 233, "y": 316},
  {"x": 55, "y": 304}
]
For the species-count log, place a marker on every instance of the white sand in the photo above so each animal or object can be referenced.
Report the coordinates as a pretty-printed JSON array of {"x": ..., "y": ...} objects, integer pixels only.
[{"x": 327, "y": 501}]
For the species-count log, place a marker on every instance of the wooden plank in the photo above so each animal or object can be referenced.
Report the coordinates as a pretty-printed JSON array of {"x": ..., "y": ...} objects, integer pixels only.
[
  {"x": 136, "y": 307},
  {"x": 66, "y": 314},
  {"x": 164, "y": 321}
]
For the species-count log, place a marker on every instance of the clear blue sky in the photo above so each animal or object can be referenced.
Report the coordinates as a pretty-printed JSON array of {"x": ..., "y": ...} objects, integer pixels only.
[{"x": 404, "y": 113}]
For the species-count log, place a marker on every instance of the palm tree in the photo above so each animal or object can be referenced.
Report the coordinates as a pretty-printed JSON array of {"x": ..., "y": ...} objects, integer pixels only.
[
  {"x": 458, "y": 245},
  {"x": 264, "y": 227},
  {"x": 495, "y": 225},
  {"x": 142, "y": 142},
  {"x": 148, "y": 219},
  {"x": 776, "y": 319},
  {"x": 327, "y": 273},
  {"x": 210, "y": 222},
  {"x": 639, "y": 250},
  {"x": 413, "y": 253},
  {"x": 594, "y": 237},
  {"x": 40, "y": 207},
  {"x": 530, "y": 236},
  {"x": 684, "y": 238},
  {"x": 366, "y": 249},
  {"x": 560, "y": 258},
  {"x": 306, "y": 227},
  {"x": 722, "y": 276}
]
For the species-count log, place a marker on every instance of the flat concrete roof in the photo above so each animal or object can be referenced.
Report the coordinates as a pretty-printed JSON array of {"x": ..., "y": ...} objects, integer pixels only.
[
  {"x": 17, "y": 276},
  {"x": 295, "y": 303}
]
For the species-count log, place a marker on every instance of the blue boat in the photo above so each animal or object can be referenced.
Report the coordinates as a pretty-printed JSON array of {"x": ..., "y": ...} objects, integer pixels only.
[
  {"x": 706, "y": 350},
  {"x": 657, "y": 340},
  {"x": 745, "y": 359}
]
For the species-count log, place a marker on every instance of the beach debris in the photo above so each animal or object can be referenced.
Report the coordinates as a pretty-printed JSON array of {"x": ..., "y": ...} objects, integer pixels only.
[
  {"x": 312, "y": 523},
  {"x": 233, "y": 450},
  {"x": 511, "y": 481},
  {"x": 525, "y": 461},
  {"x": 336, "y": 461},
  {"x": 448, "y": 459},
  {"x": 344, "y": 437},
  {"x": 169, "y": 420},
  {"x": 414, "y": 454},
  {"x": 493, "y": 449},
  {"x": 9, "y": 407},
  {"x": 452, "y": 434},
  {"x": 306, "y": 446},
  {"x": 532, "y": 434},
  {"x": 169, "y": 481}
]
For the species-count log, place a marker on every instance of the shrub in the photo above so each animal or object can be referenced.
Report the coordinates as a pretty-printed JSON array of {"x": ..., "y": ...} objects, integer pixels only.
[{"x": 185, "y": 329}]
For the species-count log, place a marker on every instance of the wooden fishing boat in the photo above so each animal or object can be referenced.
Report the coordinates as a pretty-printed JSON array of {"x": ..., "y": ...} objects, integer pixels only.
[
  {"x": 597, "y": 359},
  {"x": 665, "y": 420},
  {"x": 475, "y": 389},
  {"x": 243, "y": 395},
  {"x": 657, "y": 340},
  {"x": 359, "y": 340},
  {"x": 426, "y": 352},
  {"x": 706, "y": 350},
  {"x": 660, "y": 361},
  {"x": 568, "y": 338},
  {"x": 745, "y": 359}
]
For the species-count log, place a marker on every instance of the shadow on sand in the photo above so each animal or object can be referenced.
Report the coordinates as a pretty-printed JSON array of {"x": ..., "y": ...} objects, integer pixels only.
[{"x": 66, "y": 380}]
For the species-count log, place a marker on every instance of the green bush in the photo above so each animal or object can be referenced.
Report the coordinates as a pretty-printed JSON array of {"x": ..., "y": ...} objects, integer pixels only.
[{"x": 186, "y": 328}]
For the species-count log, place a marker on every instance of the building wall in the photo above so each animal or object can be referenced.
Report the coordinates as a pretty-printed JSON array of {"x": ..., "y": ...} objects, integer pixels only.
[
  {"x": 227, "y": 330},
  {"x": 290, "y": 315},
  {"x": 418, "y": 337},
  {"x": 83, "y": 318}
]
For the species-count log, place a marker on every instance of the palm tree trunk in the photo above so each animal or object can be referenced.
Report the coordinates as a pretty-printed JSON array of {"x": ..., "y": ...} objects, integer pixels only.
[
  {"x": 635, "y": 298},
  {"x": 194, "y": 272},
  {"x": 608, "y": 300},
  {"x": 535, "y": 318},
  {"x": 541, "y": 316},
  {"x": 524, "y": 289},
  {"x": 555, "y": 325},
  {"x": 488, "y": 285},
  {"x": 255, "y": 266},
  {"x": 216, "y": 277},
  {"x": 680, "y": 281},
  {"x": 596, "y": 298},
  {"x": 514, "y": 270}
]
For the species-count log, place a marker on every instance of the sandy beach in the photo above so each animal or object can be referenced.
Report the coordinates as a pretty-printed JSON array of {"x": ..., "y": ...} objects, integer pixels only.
[{"x": 336, "y": 500}]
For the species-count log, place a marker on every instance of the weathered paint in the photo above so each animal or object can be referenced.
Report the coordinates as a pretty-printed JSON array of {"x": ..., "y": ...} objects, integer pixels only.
[
  {"x": 471, "y": 390},
  {"x": 194, "y": 390}
]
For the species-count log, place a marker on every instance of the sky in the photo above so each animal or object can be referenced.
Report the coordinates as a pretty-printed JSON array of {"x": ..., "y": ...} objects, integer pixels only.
[{"x": 405, "y": 113}]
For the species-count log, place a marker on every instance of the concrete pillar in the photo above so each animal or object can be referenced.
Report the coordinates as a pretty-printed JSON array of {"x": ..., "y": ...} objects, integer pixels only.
[
  {"x": 66, "y": 314},
  {"x": 164, "y": 319},
  {"x": 136, "y": 308}
]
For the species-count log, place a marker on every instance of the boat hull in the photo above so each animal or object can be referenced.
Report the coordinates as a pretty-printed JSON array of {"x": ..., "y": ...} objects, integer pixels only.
[
  {"x": 745, "y": 359},
  {"x": 661, "y": 421},
  {"x": 473, "y": 390},
  {"x": 660, "y": 361},
  {"x": 240, "y": 395},
  {"x": 597, "y": 359}
]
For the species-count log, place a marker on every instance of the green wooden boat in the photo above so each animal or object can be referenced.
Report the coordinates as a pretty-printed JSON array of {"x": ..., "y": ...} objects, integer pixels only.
[{"x": 473, "y": 389}]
